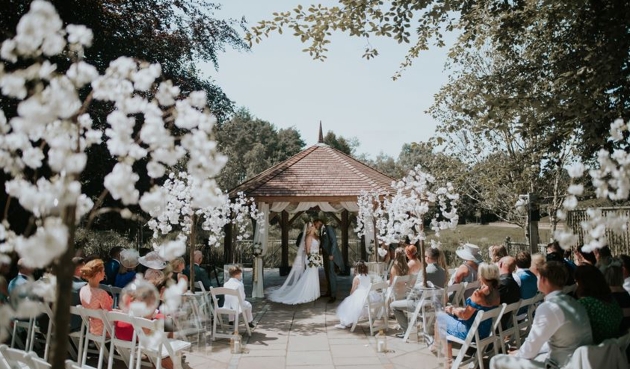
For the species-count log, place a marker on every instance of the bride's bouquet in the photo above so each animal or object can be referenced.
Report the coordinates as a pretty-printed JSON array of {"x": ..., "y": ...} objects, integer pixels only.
[{"x": 314, "y": 260}]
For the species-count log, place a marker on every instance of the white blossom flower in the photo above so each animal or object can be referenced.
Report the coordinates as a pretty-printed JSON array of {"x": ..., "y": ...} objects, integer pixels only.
[
  {"x": 167, "y": 93},
  {"x": 8, "y": 51},
  {"x": 198, "y": 99},
  {"x": 172, "y": 249},
  {"x": 120, "y": 183},
  {"x": 82, "y": 73},
  {"x": 79, "y": 34},
  {"x": 576, "y": 170},
  {"x": 48, "y": 243},
  {"x": 13, "y": 85},
  {"x": 576, "y": 189}
]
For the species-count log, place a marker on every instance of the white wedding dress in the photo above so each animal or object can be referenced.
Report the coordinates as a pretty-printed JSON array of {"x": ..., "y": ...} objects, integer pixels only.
[{"x": 302, "y": 284}]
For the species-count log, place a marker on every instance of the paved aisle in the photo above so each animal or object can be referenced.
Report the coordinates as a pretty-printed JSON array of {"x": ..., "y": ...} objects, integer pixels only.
[{"x": 304, "y": 336}]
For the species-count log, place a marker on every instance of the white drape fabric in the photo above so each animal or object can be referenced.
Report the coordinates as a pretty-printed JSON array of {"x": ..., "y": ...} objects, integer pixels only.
[
  {"x": 261, "y": 235},
  {"x": 327, "y": 207}
]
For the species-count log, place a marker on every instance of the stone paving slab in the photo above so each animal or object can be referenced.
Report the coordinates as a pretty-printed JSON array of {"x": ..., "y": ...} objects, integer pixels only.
[{"x": 305, "y": 337}]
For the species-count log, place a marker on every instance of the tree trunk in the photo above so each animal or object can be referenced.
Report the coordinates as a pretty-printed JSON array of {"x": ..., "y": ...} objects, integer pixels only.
[
  {"x": 64, "y": 269},
  {"x": 191, "y": 269}
]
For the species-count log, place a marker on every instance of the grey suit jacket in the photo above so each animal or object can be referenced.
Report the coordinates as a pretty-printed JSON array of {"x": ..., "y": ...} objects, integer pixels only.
[{"x": 329, "y": 244}]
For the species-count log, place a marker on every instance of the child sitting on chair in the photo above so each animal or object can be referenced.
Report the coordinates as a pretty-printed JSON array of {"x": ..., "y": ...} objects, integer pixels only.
[
  {"x": 231, "y": 302},
  {"x": 353, "y": 306}
]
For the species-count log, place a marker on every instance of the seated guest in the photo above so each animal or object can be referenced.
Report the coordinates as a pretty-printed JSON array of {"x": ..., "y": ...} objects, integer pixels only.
[
  {"x": 594, "y": 294},
  {"x": 177, "y": 266},
  {"x": 528, "y": 278},
  {"x": 127, "y": 272},
  {"x": 435, "y": 274},
  {"x": 92, "y": 297},
  {"x": 400, "y": 266},
  {"x": 200, "y": 274},
  {"x": 603, "y": 257},
  {"x": 235, "y": 282},
  {"x": 614, "y": 277},
  {"x": 456, "y": 321},
  {"x": 77, "y": 284},
  {"x": 625, "y": 268},
  {"x": 413, "y": 263},
  {"x": 556, "y": 253},
  {"x": 509, "y": 291},
  {"x": 467, "y": 272},
  {"x": 112, "y": 266},
  {"x": 24, "y": 274},
  {"x": 496, "y": 253},
  {"x": 584, "y": 257},
  {"x": 560, "y": 322}
]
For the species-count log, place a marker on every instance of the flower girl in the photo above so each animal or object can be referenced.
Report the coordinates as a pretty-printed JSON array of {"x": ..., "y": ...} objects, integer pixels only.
[{"x": 352, "y": 307}]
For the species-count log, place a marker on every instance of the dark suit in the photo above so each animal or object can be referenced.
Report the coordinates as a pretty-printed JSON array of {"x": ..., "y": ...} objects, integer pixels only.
[
  {"x": 329, "y": 248},
  {"x": 509, "y": 292},
  {"x": 200, "y": 275},
  {"x": 111, "y": 270}
]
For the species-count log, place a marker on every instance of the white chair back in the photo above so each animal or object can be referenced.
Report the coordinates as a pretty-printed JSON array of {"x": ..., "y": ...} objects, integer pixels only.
[
  {"x": 219, "y": 311},
  {"x": 126, "y": 349},
  {"x": 511, "y": 330},
  {"x": 40, "y": 363},
  {"x": 454, "y": 294},
  {"x": 88, "y": 316},
  {"x": 152, "y": 341},
  {"x": 473, "y": 340},
  {"x": 17, "y": 359},
  {"x": 375, "y": 304}
]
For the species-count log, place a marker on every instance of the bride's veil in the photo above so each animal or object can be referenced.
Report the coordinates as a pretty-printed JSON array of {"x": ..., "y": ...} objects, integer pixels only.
[{"x": 299, "y": 265}]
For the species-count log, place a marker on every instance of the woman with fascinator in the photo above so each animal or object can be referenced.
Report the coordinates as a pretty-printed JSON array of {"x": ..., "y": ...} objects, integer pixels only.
[{"x": 302, "y": 284}]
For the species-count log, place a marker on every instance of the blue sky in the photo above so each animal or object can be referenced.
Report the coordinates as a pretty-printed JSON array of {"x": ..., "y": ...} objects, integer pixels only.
[{"x": 351, "y": 96}]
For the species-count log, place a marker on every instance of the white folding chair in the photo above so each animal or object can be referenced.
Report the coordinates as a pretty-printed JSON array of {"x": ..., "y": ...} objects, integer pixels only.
[
  {"x": 78, "y": 336},
  {"x": 190, "y": 319},
  {"x": 511, "y": 332},
  {"x": 200, "y": 285},
  {"x": 40, "y": 363},
  {"x": 469, "y": 288},
  {"x": 398, "y": 289},
  {"x": 126, "y": 349},
  {"x": 115, "y": 291},
  {"x": 17, "y": 359},
  {"x": 220, "y": 311},
  {"x": 474, "y": 341},
  {"x": 422, "y": 310},
  {"x": 526, "y": 320},
  {"x": 454, "y": 293},
  {"x": 101, "y": 340},
  {"x": 376, "y": 306},
  {"x": 156, "y": 345},
  {"x": 74, "y": 365}
]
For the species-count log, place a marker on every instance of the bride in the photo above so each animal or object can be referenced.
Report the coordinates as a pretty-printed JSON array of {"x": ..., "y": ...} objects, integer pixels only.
[{"x": 302, "y": 284}]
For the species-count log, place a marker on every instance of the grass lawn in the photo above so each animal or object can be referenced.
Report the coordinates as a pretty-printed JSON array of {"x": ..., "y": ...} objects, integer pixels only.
[{"x": 482, "y": 236}]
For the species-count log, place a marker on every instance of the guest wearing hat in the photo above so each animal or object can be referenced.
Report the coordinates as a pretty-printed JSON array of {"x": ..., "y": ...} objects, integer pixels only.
[
  {"x": 154, "y": 265},
  {"x": 467, "y": 272},
  {"x": 128, "y": 264}
]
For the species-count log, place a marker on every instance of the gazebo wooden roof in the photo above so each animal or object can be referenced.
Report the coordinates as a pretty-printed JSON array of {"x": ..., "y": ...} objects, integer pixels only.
[{"x": 318, "y": 173}]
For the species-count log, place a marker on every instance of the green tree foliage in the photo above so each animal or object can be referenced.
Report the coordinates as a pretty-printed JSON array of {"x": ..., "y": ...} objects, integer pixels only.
[
  {"x": 567, "y": 58},
  {"x": 178, "y": 35},
  {"x": 347, "y": 146},
  {"x": 253, "y": 145}
]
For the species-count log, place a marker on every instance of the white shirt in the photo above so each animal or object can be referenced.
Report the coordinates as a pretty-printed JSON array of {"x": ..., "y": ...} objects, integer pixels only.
[
  {"x": 626, "y": 284},
  {"x": 549, "y": 317}
]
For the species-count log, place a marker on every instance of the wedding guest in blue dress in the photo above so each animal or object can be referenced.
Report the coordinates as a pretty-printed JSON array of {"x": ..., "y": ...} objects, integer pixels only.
[{"x": 456, "y": 321}]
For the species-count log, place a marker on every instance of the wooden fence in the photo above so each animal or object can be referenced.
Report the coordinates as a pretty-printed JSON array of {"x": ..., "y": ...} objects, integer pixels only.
[{"x": 618, "y": 243}]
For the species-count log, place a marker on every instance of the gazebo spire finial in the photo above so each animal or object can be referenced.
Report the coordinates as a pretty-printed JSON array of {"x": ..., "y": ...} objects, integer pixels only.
[{"x": 321, "y": 134}]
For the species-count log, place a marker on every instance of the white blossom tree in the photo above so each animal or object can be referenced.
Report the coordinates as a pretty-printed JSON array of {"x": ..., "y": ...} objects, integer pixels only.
[
  {"x": 172, "y": 210},
  {"x": 44, "y": 142},
  {"x": 403, "y": 214},
  {"x": 611, "y": 180}
]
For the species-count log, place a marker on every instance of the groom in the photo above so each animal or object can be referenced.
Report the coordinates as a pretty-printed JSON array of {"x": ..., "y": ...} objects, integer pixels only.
[{"x": 332, "y": 256}]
